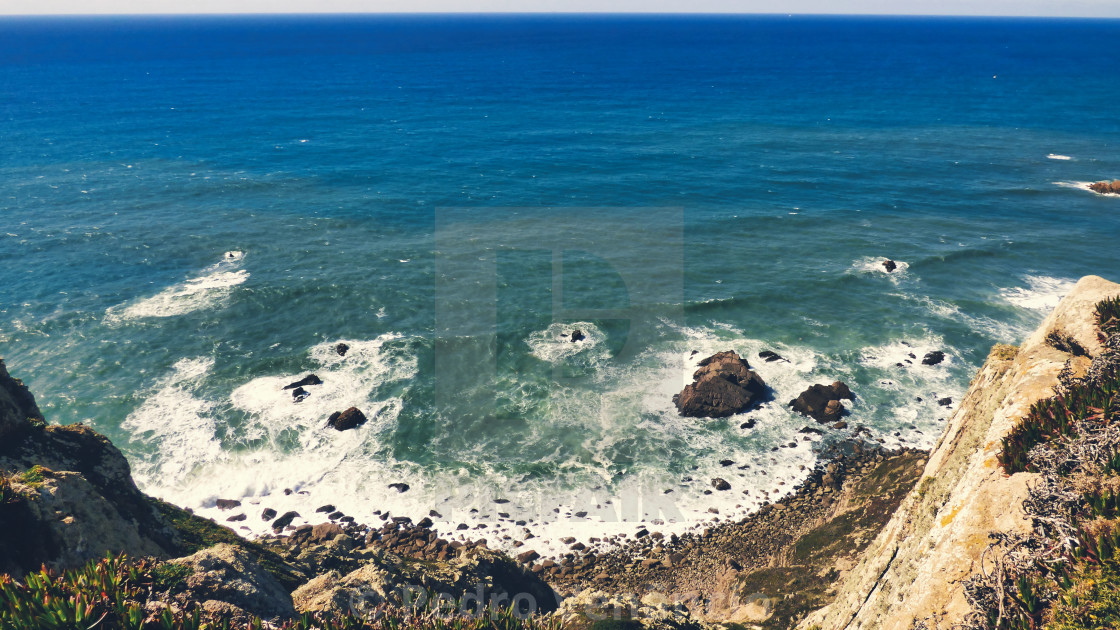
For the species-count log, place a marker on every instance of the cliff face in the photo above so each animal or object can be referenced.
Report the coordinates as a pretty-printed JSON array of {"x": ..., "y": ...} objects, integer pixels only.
[{"x": 912, "y": 571}]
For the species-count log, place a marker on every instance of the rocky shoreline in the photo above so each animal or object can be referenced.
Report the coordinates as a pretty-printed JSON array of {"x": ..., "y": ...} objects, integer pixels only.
[{"x": 75, "y": 486}]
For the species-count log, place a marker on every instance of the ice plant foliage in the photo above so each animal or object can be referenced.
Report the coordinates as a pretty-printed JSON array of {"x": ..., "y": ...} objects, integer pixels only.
[
  {"x": 119, "y": 594},
  {"x": 1065, "y": 574}
]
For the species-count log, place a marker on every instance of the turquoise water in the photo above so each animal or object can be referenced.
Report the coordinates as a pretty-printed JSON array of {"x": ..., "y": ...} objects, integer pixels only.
[{"x": 197, "y": 210}]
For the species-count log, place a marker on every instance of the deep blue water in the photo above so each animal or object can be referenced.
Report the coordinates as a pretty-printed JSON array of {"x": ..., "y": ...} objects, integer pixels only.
[{"x": 195, "y": 211}]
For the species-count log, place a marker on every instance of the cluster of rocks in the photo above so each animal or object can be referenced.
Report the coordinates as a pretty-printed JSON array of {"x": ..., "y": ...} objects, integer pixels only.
[
  {"x": 345, "y": 420},
  {"x": 1106, "y": 187},
  {"x": 692, "y": 562}
]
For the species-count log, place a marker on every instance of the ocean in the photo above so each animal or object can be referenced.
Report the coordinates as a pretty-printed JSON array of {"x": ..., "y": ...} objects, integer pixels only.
[{"x": 196, "y": 211}]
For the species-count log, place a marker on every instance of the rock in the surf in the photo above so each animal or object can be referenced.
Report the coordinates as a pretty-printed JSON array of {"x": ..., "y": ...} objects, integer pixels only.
[
  {"x": 342, "y": 349},
  {"x": 720, "y": 484},
  {"x": 399, "y": 487},
  {"x": 310, "y": 379},
  {"x": 822, "y": 402},
  {"x": 1106, "y": 188},
  {"x": 933, "y": 358},
  {"x": 299, "y": 393},
  {"x": 577, "y": 335},
  {"x": 889, "y": 265},
  {"x": 349, "y": 419},
  {"x": 724, "y": 385},
  {"x": 770, "y": 356}
]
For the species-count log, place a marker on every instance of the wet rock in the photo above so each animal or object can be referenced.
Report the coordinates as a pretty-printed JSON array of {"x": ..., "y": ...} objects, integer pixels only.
[
  {"x": 342, "y": 349},
  {"x": 1106, "y": 188},
  {"x": 725, "y": 462},
  {"x": 284, "y": 520},
  {"x": 933, "y": 358},
  {"x": 889, "y": 265},
  {"x": 299, "y": 393},
  {"x": 399, "y": 487},
  {"x": 344, "y": 420},
  {"x": 310, "y": 379},
  {"x": 749, "y": 424},
  {"x": 325, "y": 509},
  {"x": 822, "y": 402},
  {"x": 236, "y": 518},
  {"x": 770, "y": 356},
  {"x": 720, "y": 484},
  {"x": 228, "y": 504},
  {"x": 945, "y": 402},
  {"x": 577, "y": 335},
  {"x": 268, "y": 514},
  {"x": 528, "y": 556},
  {"x": 723, "y": 386}
]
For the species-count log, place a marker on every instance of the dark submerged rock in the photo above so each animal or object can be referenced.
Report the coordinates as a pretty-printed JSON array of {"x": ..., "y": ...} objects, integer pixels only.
[
  {"x": 770, "y": 356},
  {"x": 342, "y": 349},
  {"x": 577, "y": 335},
  {"x": 299, "y": 393},
  {"x": 399, "y": 487},
  {"x": 724, "y": 385},
  {"x": 310, "y": 379},
  {"x": 889, "y": 265}
]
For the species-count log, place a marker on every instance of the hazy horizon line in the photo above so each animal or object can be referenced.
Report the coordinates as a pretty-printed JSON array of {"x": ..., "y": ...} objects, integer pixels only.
[{"x": 558, "y": 13}]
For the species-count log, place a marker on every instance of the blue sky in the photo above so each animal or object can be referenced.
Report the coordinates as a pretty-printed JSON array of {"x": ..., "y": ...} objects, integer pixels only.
[{"x": 1072, "y": 8}]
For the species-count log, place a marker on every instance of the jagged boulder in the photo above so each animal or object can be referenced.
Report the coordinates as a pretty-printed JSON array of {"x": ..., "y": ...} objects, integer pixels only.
[
  {"x": 225, "y": 574},
  {"x": 822, "y": 402},
  {"x": 1106, "y": 188},
  {"x": 889, "y": 265},
  {"x": 723, "y": 386},
  {"x": 352, "y": 418}
]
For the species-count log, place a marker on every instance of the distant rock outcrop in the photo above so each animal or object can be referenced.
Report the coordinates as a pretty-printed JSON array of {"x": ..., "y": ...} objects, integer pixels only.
[
  {"x": 822, "y": 402},
  {"x": 724, "y": 385},
  {"x": 1106, "y": 188},
  {"x": 890, "y": 265}
]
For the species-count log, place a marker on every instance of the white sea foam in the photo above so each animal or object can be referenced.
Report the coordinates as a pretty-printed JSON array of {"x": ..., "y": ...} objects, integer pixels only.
[
  {"x": 1042, "y": 293},
  {"x": 585, "y": 497},
  {"x": 554, "y": 344},
  {"x": 1056, "y": 156},
  {"x": 177, "y": 423},
  {"x": 285, "y": 445},
  {"x": 207, "y": 290},
  {"x": 996, "y": 329},
  {"x": 874, "y": 265}
]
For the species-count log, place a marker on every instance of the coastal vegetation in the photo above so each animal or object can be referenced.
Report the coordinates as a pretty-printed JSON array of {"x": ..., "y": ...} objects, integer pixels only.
[
  {"x": 118, "y": 593},
  {"x": 1065, "y": 573}
]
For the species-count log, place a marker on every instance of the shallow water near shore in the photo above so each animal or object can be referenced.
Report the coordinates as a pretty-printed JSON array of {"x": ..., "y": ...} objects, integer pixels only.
[{"x": 199, "y": 213}]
